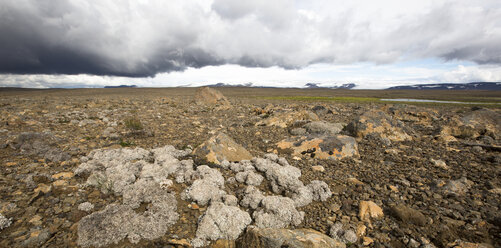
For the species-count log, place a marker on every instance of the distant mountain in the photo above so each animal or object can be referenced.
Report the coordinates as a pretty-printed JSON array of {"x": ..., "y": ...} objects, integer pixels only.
[
  {"x": 121, "y": 86},
  {"x": 343, "y": 86},
  {"x": 468, "y": 86},
  {"x": 230, "y": 85}
]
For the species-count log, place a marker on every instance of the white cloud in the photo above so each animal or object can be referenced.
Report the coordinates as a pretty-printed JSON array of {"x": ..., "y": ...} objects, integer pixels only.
[{"x": 151, "y": 37}]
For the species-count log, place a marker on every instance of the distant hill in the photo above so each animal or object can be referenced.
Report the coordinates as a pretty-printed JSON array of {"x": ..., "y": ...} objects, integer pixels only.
[
  {"x": 121, "y": 86},
  {"x": 468, "y": 86},
  {"x": 343, "y": 86}
]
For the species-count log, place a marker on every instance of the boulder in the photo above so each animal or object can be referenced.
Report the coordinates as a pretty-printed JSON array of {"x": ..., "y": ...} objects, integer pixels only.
[
  {"x": 323, "y": 128},
  {"x": 209, "y": 96},
  {"x": 277, "y": 238},
  {"x": 380, "y": 124},
  {"x": 220, "y": 148},
  {"x": 327, "y": 147},
  {"x": 408, "y": 215}
]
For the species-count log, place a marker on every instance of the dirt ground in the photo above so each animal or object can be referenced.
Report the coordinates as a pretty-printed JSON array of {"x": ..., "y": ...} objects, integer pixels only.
[{"x": 459, "y": 199}]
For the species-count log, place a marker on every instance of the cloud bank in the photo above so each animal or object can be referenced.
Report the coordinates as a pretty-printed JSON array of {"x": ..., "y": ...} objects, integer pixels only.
[{"x": 132, "y": 38}]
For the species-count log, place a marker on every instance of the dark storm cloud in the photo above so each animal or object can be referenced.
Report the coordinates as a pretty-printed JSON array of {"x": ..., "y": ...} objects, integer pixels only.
[{"x": 143, "y": 38}]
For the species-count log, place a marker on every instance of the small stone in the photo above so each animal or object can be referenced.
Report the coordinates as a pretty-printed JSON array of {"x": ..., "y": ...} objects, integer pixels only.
[
  {"x": 440, "y": 164},
  {"x": 393, "y": 188},
  {"x": 4, "y": 222},
  {"x": 354, "y": 181},
  {"x": 318, "y": 168},
  {"x": 43, "y": 188},
  {"x": 8, "y": 164},
  {"x": 60, "y": 183},
  {"x": 361, "y": 230},
  {"x": 36, "y": 220},
  {"x": 369, "y": 209},
  {"x": 181, "y": 242},
  {"x": 86, "y": 206},
  {"x": 367, "y": 241}
]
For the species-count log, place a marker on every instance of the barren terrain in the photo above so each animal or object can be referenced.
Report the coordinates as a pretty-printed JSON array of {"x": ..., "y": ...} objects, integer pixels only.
[{"x": 362, "y": 172}]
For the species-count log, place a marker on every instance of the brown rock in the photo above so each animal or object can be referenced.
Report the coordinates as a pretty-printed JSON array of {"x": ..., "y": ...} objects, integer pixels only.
[
  {"x": 223, "y": 243},
  {"x": 367, "y": 241},
  {"x": 328, "y": 147},
  {"x": 179, "y": 242},
  {"x": 463, "y": 244},
  {"x": 368, "y": 210},
  {"x": 286, "y": 119},
  {"x": 408, "y": 215},
  {"x": 221, "y": 147},
  {"x": 63, "y": 175},
  {"x": 209, "y": 96},
  {"x": 276, "y": 238},
  {"x": 43, "y": 188},
  {"x": 378, "y": 123},
  {"x": 60, "y": 183}
]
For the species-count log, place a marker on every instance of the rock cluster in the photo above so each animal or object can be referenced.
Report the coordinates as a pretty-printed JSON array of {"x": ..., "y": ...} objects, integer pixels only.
[{"x": 142, "y": 176}]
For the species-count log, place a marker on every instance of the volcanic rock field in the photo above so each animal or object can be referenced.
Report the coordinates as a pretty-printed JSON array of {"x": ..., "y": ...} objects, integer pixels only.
[{"x": 191, "y": 167}]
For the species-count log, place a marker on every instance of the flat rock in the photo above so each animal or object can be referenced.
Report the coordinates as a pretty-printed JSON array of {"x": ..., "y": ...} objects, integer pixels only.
[
  {"x": 408, "y": 215},
  {"x": 328, "y": 147},
  {"x": 222, "y": 147},
  {"x": 323, "y": 128},
  {"x": 287, "y": 119},
  {"x": 277, "y": 238}
]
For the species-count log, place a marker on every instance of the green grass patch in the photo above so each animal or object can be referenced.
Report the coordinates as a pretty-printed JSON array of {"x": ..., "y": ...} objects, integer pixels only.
[
  {"x": 133, "y": 123},
  {"x": 324, "y": 98},
  {"x": 124, "y": 143}
]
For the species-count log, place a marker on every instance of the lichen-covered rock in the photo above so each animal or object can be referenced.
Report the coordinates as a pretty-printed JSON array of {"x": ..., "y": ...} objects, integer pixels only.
[
  {"x": 4, "y": 222},
  {"x": 320, "y": 190},
  {"x": 277, "y": 238},
  {"x": 140, "y": 176},
  {"x": 252, "y": 197},
  {"x": 220, "y": 148},
  {"x": 86, "y": 206},
  {"x": 379, "y": 123},
  {"x": 249, "y": 177},
  {"x": 277, "y": 212},
  {"x": 326, "y": 147},
  {"x": 282, "y": 178},
  {"x": 210, "y": 96},
  {"x": 44, "y": 145},
  {"x": 221, "y": 222},
  {"x": 457, "y": 187},
  {"x": 345, "y": 235},
  {"x": 116, "y": 222},
  {"x": 207, "y": 188}
]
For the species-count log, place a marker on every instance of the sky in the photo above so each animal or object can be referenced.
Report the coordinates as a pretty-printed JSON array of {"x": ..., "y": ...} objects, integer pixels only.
[{"x": 283, "y": 43}]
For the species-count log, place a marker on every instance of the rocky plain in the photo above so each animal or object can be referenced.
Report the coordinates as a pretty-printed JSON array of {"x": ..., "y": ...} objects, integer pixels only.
[{"x": 194, "y": 167}]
